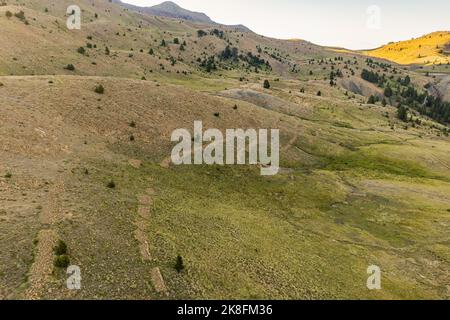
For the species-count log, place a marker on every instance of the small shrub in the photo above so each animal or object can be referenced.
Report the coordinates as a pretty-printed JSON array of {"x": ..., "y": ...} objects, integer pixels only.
[
  {"x": 235, "y": 107},
  {"x": 132, "y": 138},
  {"x": 61, "y": 261},
  {"x": 217, "y": 114},
  {"x": 133, "y": 124},
  {"x": 8, "y": 175},
  {"x": 61, "y": 248},
  {"x": 179, "y": 265},
  {"x": 111, "y": 184},
  {"x": 20, "y": 15},
  {"x": 266, "y": 84},
  {"x": 8, "y": 14},
  {"x": 99, "y": 89},
  {"x": 70, "y": 67},
  {"x": 319, "y": 93},
  {"x": 81, "y": 50}
]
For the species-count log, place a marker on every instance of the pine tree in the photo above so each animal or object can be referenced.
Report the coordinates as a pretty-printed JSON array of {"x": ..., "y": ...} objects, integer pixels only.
[
  {"x": 372, "y": 100},
  {"x": 402, "y": 113},
  {"x": 179, "y": 265},
  {"x": 388, "y": 92}
]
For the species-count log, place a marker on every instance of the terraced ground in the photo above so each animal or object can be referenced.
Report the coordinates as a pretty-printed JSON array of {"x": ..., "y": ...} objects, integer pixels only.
[{"x": 357, "y": 186}]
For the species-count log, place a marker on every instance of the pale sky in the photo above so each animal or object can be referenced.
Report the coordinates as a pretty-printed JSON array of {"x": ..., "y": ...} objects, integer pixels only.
[{"x": 341, "y": 23}]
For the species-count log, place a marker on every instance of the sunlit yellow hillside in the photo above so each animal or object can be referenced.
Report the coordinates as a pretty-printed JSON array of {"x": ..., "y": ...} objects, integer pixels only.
[{"x": 430, "y": 49}]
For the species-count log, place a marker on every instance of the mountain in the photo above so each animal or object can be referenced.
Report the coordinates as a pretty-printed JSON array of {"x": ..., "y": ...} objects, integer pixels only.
[
  {"x": 170, "y": 9},
  {"x": 430, "y": 49}
]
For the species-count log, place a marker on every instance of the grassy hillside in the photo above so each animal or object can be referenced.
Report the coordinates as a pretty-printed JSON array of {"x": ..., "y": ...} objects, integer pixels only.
[
  {"x": 357, "y": 185},
  {"x": 431, "y": 49}
]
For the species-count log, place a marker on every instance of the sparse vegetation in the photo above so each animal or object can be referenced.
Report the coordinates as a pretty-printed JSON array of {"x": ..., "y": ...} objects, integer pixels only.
[
  {"x": 99, "y": 89},
  {"x": 351, "y": 178},
  {"x": 179, "y": 264},
  {"x": 70, "y": 67},
  {"x": 81, "y": 50},
  {"x": 62, "y": 262},
  {"x": 20, "y": 15},
  {"x": 61, "y": 248}
]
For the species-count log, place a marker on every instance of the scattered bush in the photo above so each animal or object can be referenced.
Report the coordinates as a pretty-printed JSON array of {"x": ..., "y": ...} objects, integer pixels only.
[
  {"x": 20, "y": 15},
  {"x": 8, "y": 175},
  {"x": 402, "y": 113},
  {"x": 61, "y": 248},
  {"x": 99, "y": 89},
  {"x": 179, "y": 265},
  {"x": 133, "y": 124},
  {"x": 201, "y": 33},
  {"x": 81, "y": 50},
  {"x": 62, "y": 262},
  {"x": 111, "y": 184},
  {"x": 217, "y": 114},
  {"x": 372, "y": 100},
  {"x": 319, "y": 93},
  {"x": 8, "y": 14},
  {"x": 266, "y": 84},
  {"x": 70, "y": 67}
]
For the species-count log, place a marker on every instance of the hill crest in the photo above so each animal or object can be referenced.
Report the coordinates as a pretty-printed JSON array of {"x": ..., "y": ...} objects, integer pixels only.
[{"x": 430, "y": 49}]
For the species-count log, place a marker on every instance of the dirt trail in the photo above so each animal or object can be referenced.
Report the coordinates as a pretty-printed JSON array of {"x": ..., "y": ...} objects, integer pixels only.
[
  {"x": 142, "y": 223},
  {"x": 42, "y": 268}
]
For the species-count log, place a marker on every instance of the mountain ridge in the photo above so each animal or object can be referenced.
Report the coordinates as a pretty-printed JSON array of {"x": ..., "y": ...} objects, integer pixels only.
[
  {"x": 429, "y": 49},
  {"x": 170, "y": 9}
]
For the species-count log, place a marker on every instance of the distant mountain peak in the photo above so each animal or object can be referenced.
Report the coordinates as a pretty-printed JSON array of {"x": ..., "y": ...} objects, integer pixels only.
[{"x": 170, "y": 9}]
